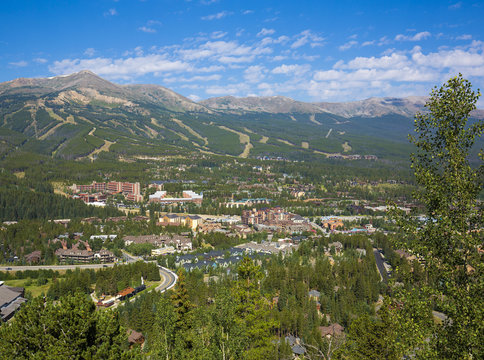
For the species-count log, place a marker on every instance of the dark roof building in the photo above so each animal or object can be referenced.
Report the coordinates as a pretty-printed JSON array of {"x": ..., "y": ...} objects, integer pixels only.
[{"x": 10, "y": 300}]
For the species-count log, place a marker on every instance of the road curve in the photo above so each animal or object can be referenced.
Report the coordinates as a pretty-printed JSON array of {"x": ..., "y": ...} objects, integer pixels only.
[{"x": 170, "y": 279}]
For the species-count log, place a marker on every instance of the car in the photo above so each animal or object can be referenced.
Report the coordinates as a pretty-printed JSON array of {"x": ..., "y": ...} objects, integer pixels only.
[
  {"x": 9, "y": 268},
  {"x": 105, "y": 266}
]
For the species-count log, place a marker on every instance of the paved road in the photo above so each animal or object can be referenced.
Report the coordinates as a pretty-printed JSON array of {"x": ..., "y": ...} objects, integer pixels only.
[
  {"x": 380, "y": 266},
  {"x": 168, "y": 276},
  {"x": 54, "y": 267},
  {"x": 169, "y": 279}
]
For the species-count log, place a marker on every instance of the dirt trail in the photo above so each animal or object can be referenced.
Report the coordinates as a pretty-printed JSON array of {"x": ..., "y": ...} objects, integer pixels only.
[
  {"x": 105, "y": 147},
  {"x": 243, "y": 138},
  {"x": 312, "y": 118},
  {"x": 191, "y": 131}
]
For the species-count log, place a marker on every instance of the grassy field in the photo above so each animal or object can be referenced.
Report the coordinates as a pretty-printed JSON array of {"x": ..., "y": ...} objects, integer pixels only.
[{"x": 33, "y": 288}]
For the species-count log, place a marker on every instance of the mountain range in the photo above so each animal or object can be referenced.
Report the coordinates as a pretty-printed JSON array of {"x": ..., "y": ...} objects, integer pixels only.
[{"x": 82, "y": 115}]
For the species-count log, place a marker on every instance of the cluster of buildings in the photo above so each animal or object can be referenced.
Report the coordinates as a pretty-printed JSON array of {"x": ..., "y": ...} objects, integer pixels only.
[
  {"x": 191, "y": 221},
  {"x": 84, "y": 256},
  {"x": 97, "y": 192},
  {"x": 175, "y": 242},
  {"x": 188, "y": 196},
  {"x": 275, "y": 219},
  {"x": 247, "y": 202}
]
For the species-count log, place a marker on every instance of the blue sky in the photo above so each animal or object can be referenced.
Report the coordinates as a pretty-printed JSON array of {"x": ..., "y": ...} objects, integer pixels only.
[{"x": 307, "y": 50}]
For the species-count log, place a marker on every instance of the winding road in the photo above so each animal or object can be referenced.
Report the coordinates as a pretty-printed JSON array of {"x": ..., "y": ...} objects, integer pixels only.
[{"x": 168, "y": 276}]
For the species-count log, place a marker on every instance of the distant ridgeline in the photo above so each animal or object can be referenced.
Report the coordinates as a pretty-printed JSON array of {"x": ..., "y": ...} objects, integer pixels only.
[{"x": 82, "y": 116}]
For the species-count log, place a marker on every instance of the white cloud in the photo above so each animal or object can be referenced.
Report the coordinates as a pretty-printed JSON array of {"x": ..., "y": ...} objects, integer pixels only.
[
  {"x": 230, "y": 89},
  {"x": 89, "y": 52},
  {"x": 265, "y": 32},
  {"x": 21, "y": 63},
  {"x": 455, "y": 6},
  {"x": 395, "y": 60},
  {"x": 40, "y": 60},
  {"x": 194, "y": 97},
  {"x": 348, "y": 45},
  {"x": 254, "y": 74},
  {"x": 305, "y": 37},
  {"x": 111, "y": 12},
  {"x": 464, "y": 37},
  {"x": 147, "y": 29},
  {"x": 126, "y": 68},
  {"x": 247, "y": 12},
  {"x": 217, "y": 16},
  {"x": 294, "y": 69},
  {"x": 196, "y": 78},
  {"x": 218, "y": 34},
  {"x": 397, "y": 73},
  {"x": 224, "y": 52},
  {"x": 417, "y": 37}
]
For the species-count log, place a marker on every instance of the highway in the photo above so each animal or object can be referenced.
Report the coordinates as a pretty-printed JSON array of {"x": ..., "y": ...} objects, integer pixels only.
[
  {"x": 54, "y": 267},
  {"x": 169, "y": 278},
  {"x": 379, "y": 265}
]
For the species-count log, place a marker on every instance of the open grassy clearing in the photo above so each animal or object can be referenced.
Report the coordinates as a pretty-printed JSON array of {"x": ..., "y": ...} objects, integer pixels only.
[{"x": 191, "y": 131}]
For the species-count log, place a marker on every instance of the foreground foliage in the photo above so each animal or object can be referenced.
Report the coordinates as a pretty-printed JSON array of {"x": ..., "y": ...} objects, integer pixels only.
[
  {"x": 67, "y": 329},
  {"x": 450, "y": 239}
]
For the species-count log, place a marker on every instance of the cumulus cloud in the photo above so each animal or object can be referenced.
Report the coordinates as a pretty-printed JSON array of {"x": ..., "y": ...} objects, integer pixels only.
[
  {"x": 147, "y": 29},
  {"x": 224, "y": 52},
  {"x": 21, "y": 63},
  {"x": 307, "y": 37},
  {"x": 40, "y": 60},
  {"x": 396, "y": 73},
  {"x": 218, "y": 34},
  {"x": 348, "y": 45},
  {"x": 265, "y": 32},
  {"x": 417, "y": 37},
  {"x": 123, "y": 68},
  {"x": 217, "y": 16},
  {"x": 194, "y": 97},
  {"x": 294, "y": 69},
  {"x": 254, "y": 74},
  {"x": 464, "y": 37},
  {"x": 196, "y": 78},
  {"x": 456, "y": 6},
  {"x": 89, "y": 52}
]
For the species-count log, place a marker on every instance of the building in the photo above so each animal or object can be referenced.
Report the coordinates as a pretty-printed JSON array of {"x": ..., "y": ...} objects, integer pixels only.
[
  {"x": 187, "y": 196},
  {"x": 332, "y": 224},
  {"x": 11, "y": 298},
  {"x": 193, "y": 221},
  {"x": 131, "y": 191},
  {"x": 84, "y": 256}
]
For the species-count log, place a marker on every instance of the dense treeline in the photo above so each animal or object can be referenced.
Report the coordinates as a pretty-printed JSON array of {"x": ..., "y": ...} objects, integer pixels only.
[
  {"x": 30, "y": 199},
  {"x": 108, "y": 281},
  {"x": 249, "y": 312},
  {"x": 68, "y": 328}
]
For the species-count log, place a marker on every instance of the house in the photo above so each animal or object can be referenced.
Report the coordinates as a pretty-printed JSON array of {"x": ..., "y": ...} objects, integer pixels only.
[
  {"x": 171, "y": 219},
  {"x": 338, "y": 247},
  {"x": 11, "y": 298},
  {"x": 333, "y": 330},
  {"x": 193, "y": 221},
  {"x": 163, "y": 251},
  {"x": 135, "y": 337},
  {"x": 33, "y": 257},
  {"x": 332, "y": 224},
  {"x": 314, "y": 295}
]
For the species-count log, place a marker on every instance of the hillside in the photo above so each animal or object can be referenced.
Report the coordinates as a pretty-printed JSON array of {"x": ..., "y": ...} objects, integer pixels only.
[{"x": 82, "y": 116}]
